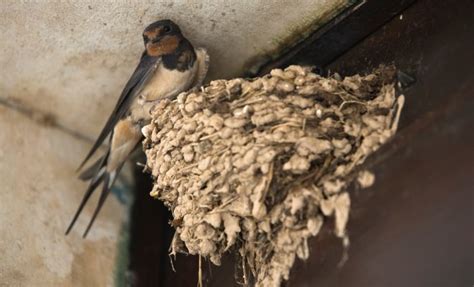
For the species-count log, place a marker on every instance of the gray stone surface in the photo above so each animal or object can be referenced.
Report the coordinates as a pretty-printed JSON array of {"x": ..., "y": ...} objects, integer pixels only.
[{"x": 39, "y": 193}]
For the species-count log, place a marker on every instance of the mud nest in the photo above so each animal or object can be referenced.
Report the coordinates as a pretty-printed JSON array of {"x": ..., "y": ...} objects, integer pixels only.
[{"x": 256, "y": 166}]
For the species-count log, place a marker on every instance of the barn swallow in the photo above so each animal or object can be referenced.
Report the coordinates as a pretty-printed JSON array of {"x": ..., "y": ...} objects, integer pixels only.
[{"x": 168, "y": 66}]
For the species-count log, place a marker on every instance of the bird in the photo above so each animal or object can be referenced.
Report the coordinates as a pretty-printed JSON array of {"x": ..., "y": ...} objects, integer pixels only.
[{"x": 168, "y": 66}]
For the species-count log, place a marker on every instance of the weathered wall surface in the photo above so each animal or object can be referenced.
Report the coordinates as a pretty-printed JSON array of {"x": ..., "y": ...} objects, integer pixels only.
[
  {"x": 72, "y": 58},
  {"x": 68, "y": 61},
  {"x": 38, "y": 194}
]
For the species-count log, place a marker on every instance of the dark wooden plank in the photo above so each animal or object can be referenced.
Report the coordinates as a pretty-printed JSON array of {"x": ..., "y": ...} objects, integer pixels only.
[
  {"x": 414, "y": 226},
  {"x": 340, "y": 34}
]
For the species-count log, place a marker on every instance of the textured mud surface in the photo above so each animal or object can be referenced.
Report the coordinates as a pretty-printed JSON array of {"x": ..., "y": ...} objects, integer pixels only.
[{"x": 256, "y": 166}]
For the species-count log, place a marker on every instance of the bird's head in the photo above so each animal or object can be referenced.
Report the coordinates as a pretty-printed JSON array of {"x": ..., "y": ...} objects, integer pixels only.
[{"x": 162, "y": 37}]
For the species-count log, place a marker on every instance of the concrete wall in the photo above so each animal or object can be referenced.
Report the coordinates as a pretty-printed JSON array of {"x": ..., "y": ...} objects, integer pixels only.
[
  {"x": 38, "y": 194},
  {"x": 71, "y": 58},
  {"x": 65, "y": 63}
]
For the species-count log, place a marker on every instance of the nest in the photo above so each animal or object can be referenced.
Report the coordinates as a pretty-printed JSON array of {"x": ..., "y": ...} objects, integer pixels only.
[{"x": 257, "y": 166}]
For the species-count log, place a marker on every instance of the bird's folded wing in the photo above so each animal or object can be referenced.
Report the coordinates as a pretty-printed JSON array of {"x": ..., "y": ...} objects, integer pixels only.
[{"x": 134, "y": 86}]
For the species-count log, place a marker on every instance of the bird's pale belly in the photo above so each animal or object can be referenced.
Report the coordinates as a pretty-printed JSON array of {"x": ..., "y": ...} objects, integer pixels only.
[
  {"x": 167, "y": 83},
  {"x": 164, "y": 84}
]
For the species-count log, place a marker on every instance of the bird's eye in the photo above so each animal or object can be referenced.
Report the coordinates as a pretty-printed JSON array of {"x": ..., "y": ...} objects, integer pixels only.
[{"x": 166, "y": 29}]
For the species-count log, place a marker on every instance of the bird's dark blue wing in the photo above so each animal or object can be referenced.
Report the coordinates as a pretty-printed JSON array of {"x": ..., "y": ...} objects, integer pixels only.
[{"x": 134, "y": 86}]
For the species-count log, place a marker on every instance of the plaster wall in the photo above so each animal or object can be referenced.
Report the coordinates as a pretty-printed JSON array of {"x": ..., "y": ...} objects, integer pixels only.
[{"x": 70, "y": 59}]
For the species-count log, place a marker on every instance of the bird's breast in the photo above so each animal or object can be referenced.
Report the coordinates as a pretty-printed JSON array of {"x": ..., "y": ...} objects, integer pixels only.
[
  {"x": 168, "y": 83},
  {"x": 163, "y": 84}
]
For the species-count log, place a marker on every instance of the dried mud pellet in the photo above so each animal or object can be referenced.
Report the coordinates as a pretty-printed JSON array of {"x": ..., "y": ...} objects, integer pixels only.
[
  {"x": 216, "y": 121},
  {"x": 235, "y": 123},
  {"x": 277, "y": 73},
  {"x": 299, "y": 70},
  {"x": 285, "y": 87},
  {"x": 288, "y": 74},
  {"x": 269, "y": 85},
  {"x": 300, "y": 80}
]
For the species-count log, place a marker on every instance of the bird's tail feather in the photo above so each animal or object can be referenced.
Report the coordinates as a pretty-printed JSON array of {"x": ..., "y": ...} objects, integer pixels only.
[
  {"x": 99, "y": 178},
  {"x": 108, "y": 180},
  {"x": 97, "y": 174},
  {"x": 93, "y": 170}
]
